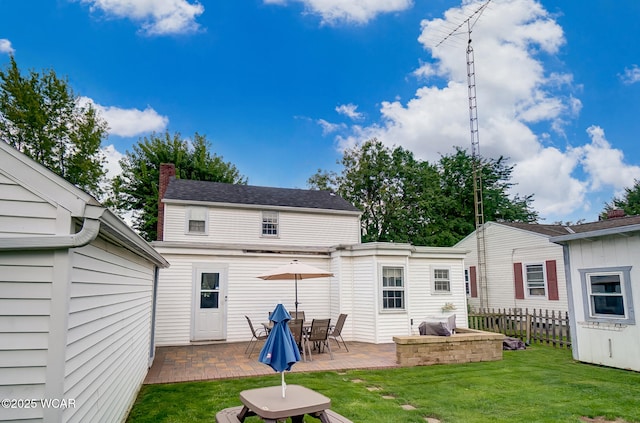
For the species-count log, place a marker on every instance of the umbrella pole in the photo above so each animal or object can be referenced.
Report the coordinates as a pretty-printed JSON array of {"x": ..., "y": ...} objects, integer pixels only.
[
  {"x": 296, "y": 277},
  {"x": 284, "y": 385}
]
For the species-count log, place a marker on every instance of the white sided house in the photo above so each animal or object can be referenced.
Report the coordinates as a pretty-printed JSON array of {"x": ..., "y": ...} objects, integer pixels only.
[
  {"x": 76, "y": 300},
  {"x": 523, "y": 269},
  {"x": 602, "y": 262},
  {"x": 220, "y": 237}
]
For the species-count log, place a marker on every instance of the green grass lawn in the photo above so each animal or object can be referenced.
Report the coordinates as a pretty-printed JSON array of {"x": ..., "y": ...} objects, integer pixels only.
[{"x": 540, "y": 384}]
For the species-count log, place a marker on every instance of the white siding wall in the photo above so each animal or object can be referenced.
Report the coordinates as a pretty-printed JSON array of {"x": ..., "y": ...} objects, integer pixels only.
[
  {"x": 606, "y": 344},
  {"x": 246, "y": 293},
  {"x": 354, "y": 289},
  {"x": 22, "y": 213},
  {"x": 25, "y": 297},
  {"x": 108, "y": 332},
  {"x": 244, "y": 226},
  {"x": 504, "y": 247},
  {"x": 425, "y": 302},
  {"x": 365, "y": 299}
]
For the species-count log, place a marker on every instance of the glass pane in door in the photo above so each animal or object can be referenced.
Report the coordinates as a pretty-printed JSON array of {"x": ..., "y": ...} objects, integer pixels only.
[{"x": 209, "y": 290}]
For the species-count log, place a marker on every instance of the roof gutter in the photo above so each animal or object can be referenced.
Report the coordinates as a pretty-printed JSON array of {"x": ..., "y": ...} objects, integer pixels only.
[
  {"x": 89, "y": 232},
  {"x": 597, "y": 233}
]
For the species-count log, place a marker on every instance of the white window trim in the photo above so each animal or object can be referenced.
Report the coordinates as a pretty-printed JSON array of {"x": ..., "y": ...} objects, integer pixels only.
[
  {"x": 262, "y": 216},
  {"x": 525, "y": 282},
  {"x": 625, "y": 286},
  {"x": 187, "y": 219},
  {"x": 403, "y": 288},
  {"x": 433, "y": 280}
]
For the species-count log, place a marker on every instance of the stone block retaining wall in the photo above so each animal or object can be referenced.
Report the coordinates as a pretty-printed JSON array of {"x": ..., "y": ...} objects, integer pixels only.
[{"x": 465, "y": 346}]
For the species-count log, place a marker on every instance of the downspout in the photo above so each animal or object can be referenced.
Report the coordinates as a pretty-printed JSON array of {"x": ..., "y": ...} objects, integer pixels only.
[
  {"x": 154, "y": 305},
  {"x": 89, "y": 232}
]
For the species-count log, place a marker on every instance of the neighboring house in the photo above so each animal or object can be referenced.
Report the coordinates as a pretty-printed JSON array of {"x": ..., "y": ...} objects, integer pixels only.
[
  {"x": 220, "y": 237},
  {"x": 76, "y": 300},
  {"x": 602, "y": 262},
  {"x": 523, "y": 269}
]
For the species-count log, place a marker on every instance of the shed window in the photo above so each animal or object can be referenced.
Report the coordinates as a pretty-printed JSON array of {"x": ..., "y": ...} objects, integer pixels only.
[{"x": 607, "y": 294}]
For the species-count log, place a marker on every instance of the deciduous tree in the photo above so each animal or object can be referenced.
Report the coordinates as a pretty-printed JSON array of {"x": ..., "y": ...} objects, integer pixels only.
[
  {"x": 136, "y": 189},
  {"x": 42, "y": 117},
  {"x": 407, "y": 200}
]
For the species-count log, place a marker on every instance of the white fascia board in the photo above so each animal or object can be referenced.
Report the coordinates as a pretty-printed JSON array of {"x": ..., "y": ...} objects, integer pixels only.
[
  {"x": 130, "y": 239},
  {"x": 43, "y": 182}
]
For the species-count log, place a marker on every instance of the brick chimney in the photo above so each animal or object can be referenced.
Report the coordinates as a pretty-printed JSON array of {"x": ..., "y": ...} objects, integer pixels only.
[
  {"x": 167, "y": 170},
  {"x": 612, "y": 214}
]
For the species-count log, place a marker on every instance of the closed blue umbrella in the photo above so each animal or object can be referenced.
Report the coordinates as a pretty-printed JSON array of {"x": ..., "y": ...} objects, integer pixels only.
[{"x": 280, "y": 350}]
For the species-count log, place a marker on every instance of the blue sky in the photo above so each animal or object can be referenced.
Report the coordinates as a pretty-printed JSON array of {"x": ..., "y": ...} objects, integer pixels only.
[{"x": 281, "y": 87}]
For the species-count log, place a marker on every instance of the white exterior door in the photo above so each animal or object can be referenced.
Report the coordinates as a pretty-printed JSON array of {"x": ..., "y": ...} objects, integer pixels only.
[{"x": 209, "y": 304}]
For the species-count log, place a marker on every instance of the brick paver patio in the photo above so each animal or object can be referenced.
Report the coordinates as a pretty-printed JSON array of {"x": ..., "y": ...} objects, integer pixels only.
[{"x": 228, "y": 360}]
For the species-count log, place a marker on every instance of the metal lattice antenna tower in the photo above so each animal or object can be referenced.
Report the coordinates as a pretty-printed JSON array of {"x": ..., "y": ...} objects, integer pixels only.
[{"x": 481, "y": 271}]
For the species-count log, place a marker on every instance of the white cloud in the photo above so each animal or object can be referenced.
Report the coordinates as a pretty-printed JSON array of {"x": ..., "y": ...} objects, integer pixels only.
[
  {"x": 604, "y": 164},
  {"x": 129, "y": 122},
  {"x": 328, "y": 127},
  {"x": 361, "y": 11},
  {"x": 631, "y": 75},
  {"x": 515, "y": 95},
  {"x": 112, "y": 157},
  {"x": 5, "y": 46},
  {"x": 157, "y": 17},
  {"x": 349, "y": 110}
]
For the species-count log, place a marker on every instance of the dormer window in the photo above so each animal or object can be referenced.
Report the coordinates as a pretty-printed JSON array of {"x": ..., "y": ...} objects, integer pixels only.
[
  {"x": 197, "y": 221},
  {"x": 270, "y": 224}
]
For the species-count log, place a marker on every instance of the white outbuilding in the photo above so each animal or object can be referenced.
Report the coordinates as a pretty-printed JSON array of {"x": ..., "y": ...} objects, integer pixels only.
[
  {"x": 602, "y": 261},
  {"x": 77, "y": 290}
]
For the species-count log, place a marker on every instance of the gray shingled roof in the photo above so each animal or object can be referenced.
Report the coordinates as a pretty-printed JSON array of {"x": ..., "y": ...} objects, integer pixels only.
[
  {"x": 217, "y": 192},
  {"x": 561, "y": 232},
  {"x": 549, "y": 230},
  {"x": 617, "y": 222}
]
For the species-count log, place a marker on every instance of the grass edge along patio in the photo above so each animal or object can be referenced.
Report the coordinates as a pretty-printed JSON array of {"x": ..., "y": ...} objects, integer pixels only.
[{"x": 539, "y": 384}]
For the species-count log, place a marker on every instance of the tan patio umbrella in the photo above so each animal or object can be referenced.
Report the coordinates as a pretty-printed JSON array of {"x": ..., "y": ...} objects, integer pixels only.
[{"x": 295, "y": 270}]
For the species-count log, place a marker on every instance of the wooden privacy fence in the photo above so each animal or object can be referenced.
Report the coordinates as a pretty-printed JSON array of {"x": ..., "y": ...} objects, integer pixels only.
[{"x": 535, "y": 326}]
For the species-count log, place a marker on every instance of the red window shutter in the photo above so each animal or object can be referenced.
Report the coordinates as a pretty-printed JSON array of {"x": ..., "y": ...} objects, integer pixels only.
[
  {"x": 473, "y": 285},
  {"x": 519, "y": 285},
  {"x": 552, "y": 280}
]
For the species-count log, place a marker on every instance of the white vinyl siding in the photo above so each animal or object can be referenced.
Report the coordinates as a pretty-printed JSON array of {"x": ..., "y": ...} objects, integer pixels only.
[
  {"x": 355, "y": 289},
  {"x": 109, "y": 329},
  {"x": 243, "y": 226},
  {"x": 23, "y": 213},
  {"x": 25, "y": 297},
  {"x": 245, "y": 295},
  {"x": 609, "y": 342},
  {"x": 504, "y": 247}
]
